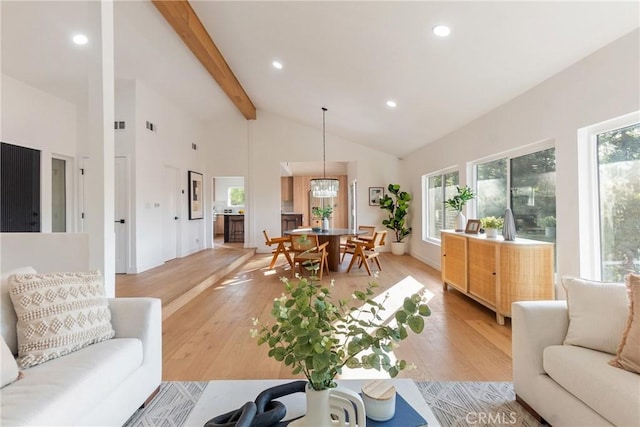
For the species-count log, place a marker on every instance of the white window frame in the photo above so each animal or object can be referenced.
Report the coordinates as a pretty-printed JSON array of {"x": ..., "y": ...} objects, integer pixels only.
[
  {"x": 509, "y": 155},
  {"x": 588, "y": 202},
  {"x": 425, "y": 201}
]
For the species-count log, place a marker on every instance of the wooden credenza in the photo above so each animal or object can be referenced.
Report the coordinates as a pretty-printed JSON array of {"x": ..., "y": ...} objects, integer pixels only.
[{"x": 495, "y": 272}]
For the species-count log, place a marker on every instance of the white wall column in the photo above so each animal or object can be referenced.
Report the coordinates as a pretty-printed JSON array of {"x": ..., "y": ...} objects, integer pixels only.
[{"x": 99, "y": 201}]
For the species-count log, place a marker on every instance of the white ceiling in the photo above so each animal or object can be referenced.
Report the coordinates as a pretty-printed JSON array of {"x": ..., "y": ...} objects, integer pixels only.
[{"x": 350, "y": 57}]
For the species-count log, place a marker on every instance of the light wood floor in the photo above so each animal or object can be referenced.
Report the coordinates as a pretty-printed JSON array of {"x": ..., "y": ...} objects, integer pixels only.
[{"x": 208, "y": 338}]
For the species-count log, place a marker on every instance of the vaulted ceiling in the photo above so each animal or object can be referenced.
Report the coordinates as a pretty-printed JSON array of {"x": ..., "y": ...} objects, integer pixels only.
[{"x": 351, "y": 57}]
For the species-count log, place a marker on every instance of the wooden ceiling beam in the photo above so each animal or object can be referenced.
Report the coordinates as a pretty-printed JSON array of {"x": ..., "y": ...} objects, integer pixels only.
[{"x": 180, "y": 15}]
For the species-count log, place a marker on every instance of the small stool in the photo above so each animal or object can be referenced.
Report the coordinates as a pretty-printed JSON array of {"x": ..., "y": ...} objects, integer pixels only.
[{"x": 236, "y": 229}]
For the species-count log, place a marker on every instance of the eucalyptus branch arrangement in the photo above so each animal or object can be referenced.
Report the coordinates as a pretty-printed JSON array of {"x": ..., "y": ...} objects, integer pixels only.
[
  {"x": 463, "y": 195},
  {"x": 317, "y": 337},
  {"x": 322, "y": 212}
]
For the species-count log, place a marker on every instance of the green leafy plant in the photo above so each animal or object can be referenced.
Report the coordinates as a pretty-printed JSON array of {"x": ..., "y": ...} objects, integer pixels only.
[
  {"x": 398, "y": 208},
  {"x": 322, "y": 212},
  {"x": 548, "y": 221},
  {"x": 491, "y": 222},
  {"x": 317, "y": 337},
  {"x": 457, "y": 202}
]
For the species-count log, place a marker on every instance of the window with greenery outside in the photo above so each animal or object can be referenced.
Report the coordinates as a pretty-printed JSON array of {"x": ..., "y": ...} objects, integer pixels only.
[
  {"x": 440, "y": 188},
  {"x": 618, "y": 154},
  {"x": 235, "y": 196}
]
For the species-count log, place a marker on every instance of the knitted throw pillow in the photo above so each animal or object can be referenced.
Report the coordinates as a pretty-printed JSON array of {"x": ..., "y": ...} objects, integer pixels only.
[
  {"x": 58, "y": 313},
  {"x": 628, "y": 355}
]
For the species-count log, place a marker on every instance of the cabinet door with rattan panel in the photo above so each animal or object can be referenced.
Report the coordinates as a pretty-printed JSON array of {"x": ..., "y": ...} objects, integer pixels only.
[
  {"x": 482, "y": 270},
  {"x": 454, "y": 261},
  {"x": 526, "y": 274}
]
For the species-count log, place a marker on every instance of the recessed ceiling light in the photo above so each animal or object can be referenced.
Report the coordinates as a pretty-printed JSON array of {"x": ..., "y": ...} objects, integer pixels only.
[
  {"x": 441, "y": 30},
  {"x": 391, "y": 104},
  {"x": 277, "y": 64},
  {"x": 80, "y": 39}
]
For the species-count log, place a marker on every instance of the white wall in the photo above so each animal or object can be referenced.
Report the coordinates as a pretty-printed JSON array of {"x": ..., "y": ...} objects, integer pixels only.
[
  {"x": 255, "y": 149},
  {"x": 35, "y": 119},
  {"x": 602, "y": 86},
  {"x": 149, "y": 152}
]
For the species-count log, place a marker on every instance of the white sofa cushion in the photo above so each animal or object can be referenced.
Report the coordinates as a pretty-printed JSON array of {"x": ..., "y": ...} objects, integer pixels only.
[
  {"x": 597, "y": 313},
  {"x": 64, "y": 389},
  {"x": 8, "y": 367},
  {"x": 7, "y": 313},
  {"x": 611, "y": 392},
  {"x": 58, "y": 313}
]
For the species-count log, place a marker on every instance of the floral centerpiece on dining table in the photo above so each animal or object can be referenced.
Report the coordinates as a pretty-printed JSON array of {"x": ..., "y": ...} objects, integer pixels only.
[{"x": 316, "y": 336}]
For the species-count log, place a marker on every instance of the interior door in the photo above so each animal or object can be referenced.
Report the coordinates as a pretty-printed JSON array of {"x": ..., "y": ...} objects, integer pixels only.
[
  {"x": 121, "y": 225},
  {"x": 170, "y": 218},
  {"x": 20, "y": 185}
]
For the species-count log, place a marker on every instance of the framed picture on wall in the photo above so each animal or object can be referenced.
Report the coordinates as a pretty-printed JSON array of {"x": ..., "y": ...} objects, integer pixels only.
[
  {"x": 196, "y": 196},
  {"x": 375, "y": 194}
]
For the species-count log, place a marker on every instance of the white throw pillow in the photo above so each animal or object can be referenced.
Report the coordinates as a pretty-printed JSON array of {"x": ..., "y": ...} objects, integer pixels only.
[
  {"x": 58, "y": 313},
  {"x": 7, "y": 314},
  {"x": 598, "y": 313},
  {"x": 8, "y": 367}
]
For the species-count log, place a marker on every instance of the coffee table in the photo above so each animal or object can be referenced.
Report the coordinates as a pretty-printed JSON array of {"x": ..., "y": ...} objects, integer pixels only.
[{"x": 223, "y": 396}]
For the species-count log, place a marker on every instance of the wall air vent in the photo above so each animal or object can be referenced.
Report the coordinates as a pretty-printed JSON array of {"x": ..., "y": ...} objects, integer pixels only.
[{"x": 118, "y": 125}]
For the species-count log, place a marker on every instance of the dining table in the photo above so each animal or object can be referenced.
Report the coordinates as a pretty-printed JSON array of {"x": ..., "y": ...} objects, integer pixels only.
[{"x": 331, "y": 235}]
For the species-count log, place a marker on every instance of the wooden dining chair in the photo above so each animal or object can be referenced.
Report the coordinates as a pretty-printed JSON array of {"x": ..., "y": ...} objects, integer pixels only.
[
  {"x": 308, "y": 253},
  {"x": 348, "y": 247},
  {"x": 283, "y": 246},
  {"x": 365, "y": 251}
]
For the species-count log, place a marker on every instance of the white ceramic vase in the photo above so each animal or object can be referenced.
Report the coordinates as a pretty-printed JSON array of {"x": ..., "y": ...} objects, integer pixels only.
[
  {"x": 340, "y": 402},
  {"x": 461, "y": 222},
  {"x": 325, "y": 224}
]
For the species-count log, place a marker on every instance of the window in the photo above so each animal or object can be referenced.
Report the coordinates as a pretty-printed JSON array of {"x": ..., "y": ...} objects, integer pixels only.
[
  {"x": 438, "y": 188},
  {"x": 524, "y": 183},
  {"x": 492, "y": 188},
  {"x": 235, "y": 196},
  {"x": 618, "y": 164},
  {"x": 58, "y": 195}
]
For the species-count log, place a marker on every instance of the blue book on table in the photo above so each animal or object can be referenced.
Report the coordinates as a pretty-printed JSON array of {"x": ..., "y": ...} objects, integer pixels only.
[{"x": 405, "y": 416}]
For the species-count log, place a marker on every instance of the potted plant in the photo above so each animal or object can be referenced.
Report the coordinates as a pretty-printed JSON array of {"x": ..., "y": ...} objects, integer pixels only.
[
  {"x": 324, "y": 213},
  {"x": 549, "y": 224},
  {"x": 457, "y": 202},
  {"x": 317, "y": 336},
  {"x": 491, "y": 225},
  {"x": 397, "y": 206}
]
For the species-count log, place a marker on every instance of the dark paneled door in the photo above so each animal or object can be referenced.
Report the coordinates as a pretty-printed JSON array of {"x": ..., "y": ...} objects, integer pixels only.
[{"x": 19, "y": 189}]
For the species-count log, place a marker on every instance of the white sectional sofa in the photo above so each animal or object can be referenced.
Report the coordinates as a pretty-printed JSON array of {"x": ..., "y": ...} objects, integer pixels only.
[
  {"x": 568, "y": 385},
  {"x": 101, "y": 384}
]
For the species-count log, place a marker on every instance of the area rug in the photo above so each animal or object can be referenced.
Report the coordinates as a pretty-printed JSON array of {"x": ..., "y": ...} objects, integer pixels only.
[{"x": 453, "y": 403}]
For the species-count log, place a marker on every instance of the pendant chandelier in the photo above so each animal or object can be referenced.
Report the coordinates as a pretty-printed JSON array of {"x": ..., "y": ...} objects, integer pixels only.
[{"x": 324, "y": 187}]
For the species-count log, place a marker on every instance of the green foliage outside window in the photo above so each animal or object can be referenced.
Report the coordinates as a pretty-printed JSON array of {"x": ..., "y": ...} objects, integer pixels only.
[
  {"x": 619, "y": 191},
  {"x": 236, "y": 196}
]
